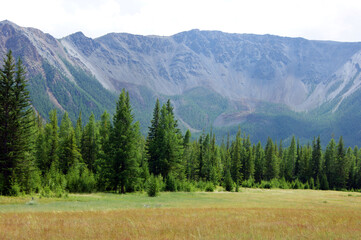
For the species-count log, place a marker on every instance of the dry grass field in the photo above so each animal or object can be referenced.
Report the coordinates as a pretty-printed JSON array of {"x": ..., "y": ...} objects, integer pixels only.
[{"x": 250, "y": 214}]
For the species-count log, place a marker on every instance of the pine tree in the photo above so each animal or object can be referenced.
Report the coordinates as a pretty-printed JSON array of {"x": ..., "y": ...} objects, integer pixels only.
[
  {"x": 187, "y": 154},
  {"x": 51, "y": 142},
  {"x": 89, "y": 146},
  {"x": 291, "y": 160},
  {"x": 68, "y": 150},
  {"x": 123, "y": 142},
  {"x": 153, "y": 144},
  {"x": 316, "y": 160},
  {"x": 329, "y": 164},
  {"x": 271, "y": 161},
  {"x": 236, "y": 161},
  {"x": 103, "y": 165},
  {"x": 171, "y": 144},
  {"x": 15, "y": 125},
  {"x": 341, "y": 165},
  {"x": 259, "y": 163},
  {"x": 78, "y": 131}
]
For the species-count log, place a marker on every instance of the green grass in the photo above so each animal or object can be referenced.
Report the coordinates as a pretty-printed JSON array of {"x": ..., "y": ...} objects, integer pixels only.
[
  {"x": 249, "y": 198},
  {"x": 249, "y": 214}
]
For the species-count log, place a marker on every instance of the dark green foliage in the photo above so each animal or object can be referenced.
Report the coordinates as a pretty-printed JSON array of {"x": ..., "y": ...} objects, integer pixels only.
[
  {"x": 170, "y": 183},
  {"x": 123, "y": 140},
  {"x": 113, "y": 156},
  {"x": 209, "y": 187},
  {"x": 89, "y": 144},
  {"x": 165, "y": 143},
  {"x": 152, "y": 186},
  {"x": 324, "y": 183},
  {"x": 80, "y": 179},
  {"x": 228, "y": 182},
  {"x": 15, "y": 127}
]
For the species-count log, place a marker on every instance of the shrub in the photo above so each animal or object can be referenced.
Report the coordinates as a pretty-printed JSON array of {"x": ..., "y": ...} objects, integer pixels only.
[
  {"x": 187, "y": 186},
  {"x": 250, "y": 183},
  {"x": 170, "y": 183},
  {"x": 80, "y": 179},
  {"x": 209, "y": 187},
  {"x": 297, "y": 184},
  {"x": 311, "y": 183},
  {"x": 228, "y": 182},
  {"x": 152, "y": 186},
  {"x": 34, "y": 181},
  {"x": 265, "y": 184},
  {"x": 15, "y": 189},
  {"x": 324, "y": 183}
]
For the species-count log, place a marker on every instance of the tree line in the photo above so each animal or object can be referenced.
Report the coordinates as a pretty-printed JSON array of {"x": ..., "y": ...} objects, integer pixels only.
[{"x": 112, "y": 155}]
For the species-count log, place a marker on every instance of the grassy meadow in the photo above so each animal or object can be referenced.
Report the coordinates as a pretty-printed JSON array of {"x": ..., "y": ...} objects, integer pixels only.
[{"x": 251, "y": 213}]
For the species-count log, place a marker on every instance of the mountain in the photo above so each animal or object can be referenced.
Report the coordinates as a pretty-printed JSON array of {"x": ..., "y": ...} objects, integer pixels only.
[{"x": 269, "y": 85}]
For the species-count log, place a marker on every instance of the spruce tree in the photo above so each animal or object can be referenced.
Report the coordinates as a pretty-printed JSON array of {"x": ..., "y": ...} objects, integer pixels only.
[
  {"x": 259, "y": 163},
  {"x": 316, "y": 159},
  {"x": 153, "y": 144},
  {"x": 90, "y": 146},
  {"x": 271, "y": 161},
  {"x": 341, "y": 165},
  {"x": 329, "y": 164},
  {"x": 291, "y": 160},
  {"x": 171, "y": 144},
  {"x": 15, "y": 124},
  {"x": 68, "y": 152},
  {"x": 123, "y": 146}
]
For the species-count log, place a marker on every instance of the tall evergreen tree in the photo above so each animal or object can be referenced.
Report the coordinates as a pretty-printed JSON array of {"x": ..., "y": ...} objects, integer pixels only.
[
  {"x": 90, "y": 145},
  {"x": 316, "y": 159},
  {"x": 291, "y": 160},
  {"x": 329, "y": 164},
  {"x": 123, "y": 146},
  {"x": 236, "y": 161},
  {"x": 259, "y": 163},
  {"x": 271, "y": 161},
  {"x": 153, "y": 143},
  {"x": 103, "y": 164},
  {"x": 15, "y": 124},
  {"x": 341, "y": 169},
  {"x": 171, "y": 144},
  {"x": 78, "y": 131},
  {"x": 68, "y": 152}
]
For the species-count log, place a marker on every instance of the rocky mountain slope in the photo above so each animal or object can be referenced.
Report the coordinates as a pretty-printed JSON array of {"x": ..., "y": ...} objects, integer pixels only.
[{"x": 269, "y": 85}]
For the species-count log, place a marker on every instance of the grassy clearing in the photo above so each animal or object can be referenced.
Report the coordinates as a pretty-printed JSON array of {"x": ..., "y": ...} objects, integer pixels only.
[{"x": 252, "y": 213}]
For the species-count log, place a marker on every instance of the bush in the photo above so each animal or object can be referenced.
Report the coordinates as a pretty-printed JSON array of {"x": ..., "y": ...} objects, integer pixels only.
[
  {"x": 80, "y": 179},
  {"x": 283, "y": 184},
  {"x": 297, "y": 184},
  {"x": 34, "y": 181},
  {"x": 324, "y": 183},
  {"x": 311, "y": 183},
  {"x": 187, "y": 186},
  {"x": 265, "y": 184},
  {"x": 209, "y": 187},
  {"x": 15, "y": 189},
  {"x": 250, "y": 183},
  {"x": 200, "y": 185},
  {"x": 170, "y": 183},
  {"x": 152, "y": 186},
  {"x": 54, "y": 183},
  {"x": 228, "y": 182}
]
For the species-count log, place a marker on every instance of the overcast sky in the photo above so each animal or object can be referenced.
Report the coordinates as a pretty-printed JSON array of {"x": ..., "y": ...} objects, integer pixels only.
[{"x": 311, "y": 19}]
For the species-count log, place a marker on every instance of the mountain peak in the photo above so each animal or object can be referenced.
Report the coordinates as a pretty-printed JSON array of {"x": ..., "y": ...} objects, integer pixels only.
[{"x": 7, "y": 22}]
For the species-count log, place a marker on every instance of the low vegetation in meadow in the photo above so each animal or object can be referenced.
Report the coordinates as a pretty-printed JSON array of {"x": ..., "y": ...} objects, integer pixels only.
[{"x": 250, "y": 213}]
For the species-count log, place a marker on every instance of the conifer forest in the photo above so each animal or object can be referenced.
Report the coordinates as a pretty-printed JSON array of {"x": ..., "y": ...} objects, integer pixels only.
[{"x": 57, "y": 156}]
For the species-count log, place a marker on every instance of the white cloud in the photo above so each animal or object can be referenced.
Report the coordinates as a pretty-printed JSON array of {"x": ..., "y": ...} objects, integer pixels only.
[{"x": 324, "y": 20}]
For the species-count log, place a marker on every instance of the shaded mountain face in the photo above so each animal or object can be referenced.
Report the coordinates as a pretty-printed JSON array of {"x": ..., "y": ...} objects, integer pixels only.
[{"x": 270, "y": 85}]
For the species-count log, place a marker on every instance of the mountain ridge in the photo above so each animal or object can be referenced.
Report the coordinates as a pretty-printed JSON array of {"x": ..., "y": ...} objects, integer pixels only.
[{"x": 213, "y": 78}]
